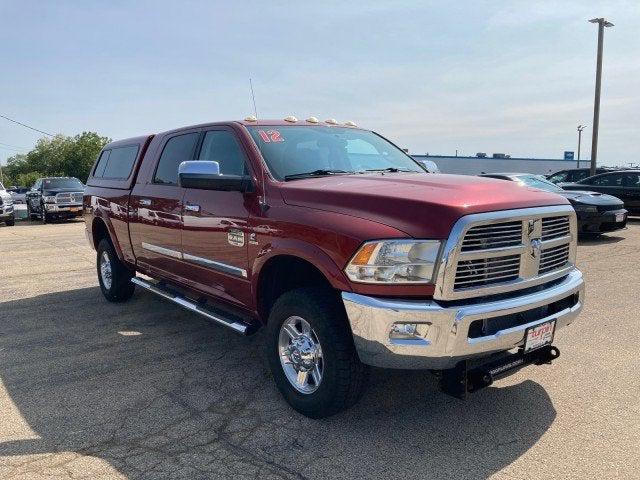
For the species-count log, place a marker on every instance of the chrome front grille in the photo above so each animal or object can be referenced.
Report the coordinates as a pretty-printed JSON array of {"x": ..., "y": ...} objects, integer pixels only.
[
  {"x": 69, "y": 197},
  {"x": 485, "y": 271},
  {"x": 555, "y": 227},
  {"x": 493, "y": 236},
  {"x": 553, "y": 258},
  {"x": 498, "y": 252}
]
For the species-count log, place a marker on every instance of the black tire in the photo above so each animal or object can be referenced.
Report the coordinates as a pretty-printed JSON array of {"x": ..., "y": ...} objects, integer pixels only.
[
  {"x": 43, "y": 215},
  {"x": 344, "y": 377},
  {"x": 10, "y": 222},
  {"x": 120, "y": 288}
]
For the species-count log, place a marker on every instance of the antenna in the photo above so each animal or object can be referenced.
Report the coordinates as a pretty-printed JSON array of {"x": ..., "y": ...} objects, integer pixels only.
[
  {"x": 264, "y": 206},
  {"x": 253, "y": 97}
]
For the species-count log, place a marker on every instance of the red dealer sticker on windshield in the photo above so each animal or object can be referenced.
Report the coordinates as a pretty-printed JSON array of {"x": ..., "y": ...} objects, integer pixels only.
[{"x": 270, "y": 136}]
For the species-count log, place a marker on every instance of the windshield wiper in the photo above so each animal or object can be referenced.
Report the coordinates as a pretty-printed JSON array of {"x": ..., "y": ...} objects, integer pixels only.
[
  {"x": 315, "y": 173},
  {"x": 389, "y": 169}
]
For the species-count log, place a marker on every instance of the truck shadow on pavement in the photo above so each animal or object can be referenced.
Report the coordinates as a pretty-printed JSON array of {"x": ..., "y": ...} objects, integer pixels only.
[{"x": 160, "y": 393}]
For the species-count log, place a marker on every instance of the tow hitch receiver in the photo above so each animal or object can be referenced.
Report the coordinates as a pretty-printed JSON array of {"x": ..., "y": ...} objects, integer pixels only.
[{"x": 467, "y": 377}]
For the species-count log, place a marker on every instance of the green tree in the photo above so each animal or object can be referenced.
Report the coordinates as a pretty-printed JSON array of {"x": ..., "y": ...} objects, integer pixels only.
[{"x": 56, "y": 156}]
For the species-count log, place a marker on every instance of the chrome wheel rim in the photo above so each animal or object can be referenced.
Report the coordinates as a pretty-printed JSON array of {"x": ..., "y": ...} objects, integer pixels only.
[
  {"x": 105, "y": 270},
  {"x": 300, "y": 355}
]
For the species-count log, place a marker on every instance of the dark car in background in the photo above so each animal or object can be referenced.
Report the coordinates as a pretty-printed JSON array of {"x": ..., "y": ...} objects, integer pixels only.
[
  {"x": 19, "y": 194},
  {"x": 596, "y": 212},
  {"x": 573, "y": 175},
  {"x": 624, "y": 184},
  {"x": 55, "y": 197}
]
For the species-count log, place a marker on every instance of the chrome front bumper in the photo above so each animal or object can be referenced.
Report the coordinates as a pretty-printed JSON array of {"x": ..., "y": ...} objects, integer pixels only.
[
  {"x": 54, "y": 208},
  {"x": 442, "y": 337}
]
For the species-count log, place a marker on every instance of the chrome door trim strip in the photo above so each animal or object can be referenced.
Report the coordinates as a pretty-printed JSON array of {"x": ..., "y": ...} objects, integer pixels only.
[
  {"x": 204, "y": 262},
  {"x": 162, "y": 251},
  {"x": 222, "y": 267}
]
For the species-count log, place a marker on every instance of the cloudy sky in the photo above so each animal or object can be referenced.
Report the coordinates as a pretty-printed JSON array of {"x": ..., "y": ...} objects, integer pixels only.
[{"x": 514, "y": 77}]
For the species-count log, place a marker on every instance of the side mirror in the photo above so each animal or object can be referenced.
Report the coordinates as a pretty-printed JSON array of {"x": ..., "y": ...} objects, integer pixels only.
[{"x": 205, "y": 175}]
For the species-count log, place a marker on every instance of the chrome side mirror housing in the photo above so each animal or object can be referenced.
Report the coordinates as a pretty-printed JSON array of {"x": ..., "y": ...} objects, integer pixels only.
[{"x": 205, "y": 175}]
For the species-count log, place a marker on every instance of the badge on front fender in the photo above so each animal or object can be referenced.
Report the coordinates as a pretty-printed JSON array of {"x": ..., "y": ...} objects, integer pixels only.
[{"x": 235, "y": 237}]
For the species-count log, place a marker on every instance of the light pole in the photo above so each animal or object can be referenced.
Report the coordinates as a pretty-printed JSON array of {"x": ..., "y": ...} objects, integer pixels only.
[
  {"x": 602, "y": 23},
  {"x": 580, "y": 128}
]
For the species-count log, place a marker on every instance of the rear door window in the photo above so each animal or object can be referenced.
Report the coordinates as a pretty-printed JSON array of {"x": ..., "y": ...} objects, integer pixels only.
[{"x": 177, "y": 150}]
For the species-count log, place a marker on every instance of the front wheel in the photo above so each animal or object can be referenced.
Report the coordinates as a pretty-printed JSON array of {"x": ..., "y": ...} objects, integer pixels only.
[
  {"x": 113, "y": 275},
  {"x": 10, "y": 222},
  {"x": 311, "y": 353},
  {"x": 43, "y": 216}
]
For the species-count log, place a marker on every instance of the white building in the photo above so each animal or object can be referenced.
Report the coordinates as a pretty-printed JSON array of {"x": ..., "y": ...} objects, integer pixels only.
[{"x": 477, "y": 165}]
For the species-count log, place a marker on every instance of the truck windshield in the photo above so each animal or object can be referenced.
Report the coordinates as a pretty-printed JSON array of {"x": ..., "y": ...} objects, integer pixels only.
[
  {"x": 62, "y": 183},
  {"x": 300, "y": 151}
]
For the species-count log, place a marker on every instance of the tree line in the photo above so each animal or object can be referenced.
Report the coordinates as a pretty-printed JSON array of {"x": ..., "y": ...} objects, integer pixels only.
[{"x": 59, "y": 156}]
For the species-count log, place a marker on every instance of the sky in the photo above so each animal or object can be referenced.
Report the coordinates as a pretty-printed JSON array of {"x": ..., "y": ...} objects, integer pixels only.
[{"x": 513, "y": 77}]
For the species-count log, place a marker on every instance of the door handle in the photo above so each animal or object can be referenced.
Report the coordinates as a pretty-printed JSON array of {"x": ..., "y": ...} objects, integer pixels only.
[
  {"x": 192, "y": 208},
  {"x": 144, "y": 201}
]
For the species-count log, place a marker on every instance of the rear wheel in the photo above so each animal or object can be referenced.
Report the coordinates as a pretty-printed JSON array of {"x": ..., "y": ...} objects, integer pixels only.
[
  {"x": 113, "y": 275},
  {"x": 10, "y": 222},
  {"x": 311, "y": 353}
]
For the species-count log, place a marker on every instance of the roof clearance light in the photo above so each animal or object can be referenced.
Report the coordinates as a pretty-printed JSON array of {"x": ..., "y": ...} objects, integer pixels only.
[
  {"x": 331, "y": 121},
  {"x": 291, "y": 119},
  {"x": 251, "y": 118},
  {"x": 313, "y": 120},
  {"x": 350, "y": 124}
]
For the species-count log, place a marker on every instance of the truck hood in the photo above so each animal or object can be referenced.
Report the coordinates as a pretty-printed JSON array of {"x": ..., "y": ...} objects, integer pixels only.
[
  {"x": 591, "y": 198},
  {"x": 421, "y": 205}
]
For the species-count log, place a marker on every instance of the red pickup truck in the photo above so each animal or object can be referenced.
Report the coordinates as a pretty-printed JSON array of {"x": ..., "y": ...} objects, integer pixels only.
[{"x": 342, "y": 247}]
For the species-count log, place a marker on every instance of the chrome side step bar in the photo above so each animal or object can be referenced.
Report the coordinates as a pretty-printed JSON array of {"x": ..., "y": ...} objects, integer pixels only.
[{"x": 235, "y": 325}]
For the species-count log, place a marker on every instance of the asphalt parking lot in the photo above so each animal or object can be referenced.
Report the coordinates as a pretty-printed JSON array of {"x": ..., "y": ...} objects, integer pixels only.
[{"x": 145, "y": 390}]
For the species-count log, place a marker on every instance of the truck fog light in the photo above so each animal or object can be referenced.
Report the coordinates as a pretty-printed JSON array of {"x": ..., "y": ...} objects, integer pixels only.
[{"x": 403, "y": 330}]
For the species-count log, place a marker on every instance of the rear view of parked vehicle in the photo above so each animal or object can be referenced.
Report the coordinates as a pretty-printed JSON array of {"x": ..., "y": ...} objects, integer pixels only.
[
  {"x": 55, "y": 198},
  {"x": 7, "y": 214}
]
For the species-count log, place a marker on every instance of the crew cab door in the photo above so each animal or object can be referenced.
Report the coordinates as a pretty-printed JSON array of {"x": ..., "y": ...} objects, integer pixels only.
[
  {"x": 214, "y": 235},
  {"x": 156, "y": 228}
]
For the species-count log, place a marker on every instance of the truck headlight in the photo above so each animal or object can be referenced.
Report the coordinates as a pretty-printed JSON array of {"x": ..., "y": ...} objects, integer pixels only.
[
  {"x": 49, "y": 199},
  {"x": 395, "y": 261}
]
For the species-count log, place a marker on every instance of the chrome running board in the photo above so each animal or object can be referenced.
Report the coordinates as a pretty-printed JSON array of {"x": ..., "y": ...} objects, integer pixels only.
[{"x": 235, "y": 325}]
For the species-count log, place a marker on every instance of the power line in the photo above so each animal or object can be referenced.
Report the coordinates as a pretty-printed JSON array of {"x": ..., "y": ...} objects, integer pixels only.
[
  {"x": 24, "y": 125},
  {"x": 13, "y": 147}
]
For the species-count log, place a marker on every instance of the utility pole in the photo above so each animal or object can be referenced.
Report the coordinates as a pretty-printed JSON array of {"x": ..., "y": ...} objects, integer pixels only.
[
  {"x": 602, "y": 23},
  {"x": 580, "y": 128}
]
